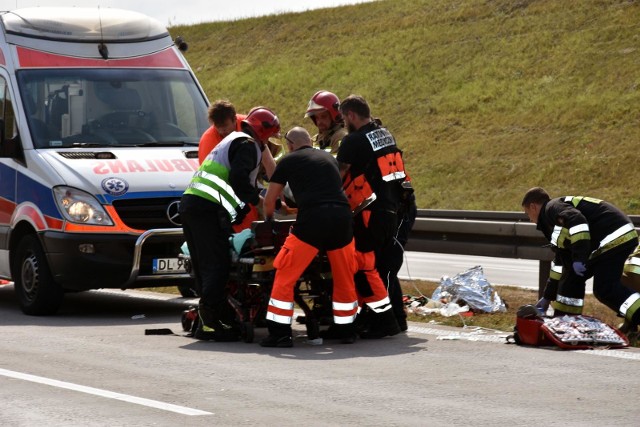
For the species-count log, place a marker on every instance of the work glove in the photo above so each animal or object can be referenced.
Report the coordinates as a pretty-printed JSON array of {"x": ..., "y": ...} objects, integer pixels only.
[
  {"x": 543, "y": 305},
  {"x": 579, "y": 268},
  {"x": 241, "y": 213}
]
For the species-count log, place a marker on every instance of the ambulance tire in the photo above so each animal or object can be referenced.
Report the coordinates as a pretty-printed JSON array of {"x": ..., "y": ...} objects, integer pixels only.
[{"x": 37, "y": 292}]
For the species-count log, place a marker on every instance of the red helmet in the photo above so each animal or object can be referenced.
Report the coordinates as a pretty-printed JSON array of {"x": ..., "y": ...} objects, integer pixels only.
[
  {"x": 324, "y": 101},
  {"x": 264, "y": 123}
]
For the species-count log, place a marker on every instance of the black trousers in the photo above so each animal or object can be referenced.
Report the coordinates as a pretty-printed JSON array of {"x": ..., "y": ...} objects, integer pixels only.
[
  {"x": 394, "y": 256},
  {"x": 379, "y": 236},
  {"x": 207, "y": 228},
  {"x": 606, "y": 271}
]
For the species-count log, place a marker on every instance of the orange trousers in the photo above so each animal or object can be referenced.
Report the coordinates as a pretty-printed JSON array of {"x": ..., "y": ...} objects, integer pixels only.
[
  {"x": 294, "y": 257},
  {"x": 376, "y": 295}
]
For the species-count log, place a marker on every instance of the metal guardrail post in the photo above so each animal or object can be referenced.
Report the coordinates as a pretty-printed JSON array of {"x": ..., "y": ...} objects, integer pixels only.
[{"x": 543, "y": 275}]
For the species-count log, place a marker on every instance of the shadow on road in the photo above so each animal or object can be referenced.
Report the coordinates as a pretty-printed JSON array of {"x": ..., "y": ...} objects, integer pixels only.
[
  {"x": 149, "y": 311},
  {"x": 329, "y": 350},
  {"x": 91, "y": 307}
]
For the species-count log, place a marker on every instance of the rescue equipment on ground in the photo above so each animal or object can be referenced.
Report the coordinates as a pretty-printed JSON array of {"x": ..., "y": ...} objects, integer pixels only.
[{"x": 569, "y": 332}]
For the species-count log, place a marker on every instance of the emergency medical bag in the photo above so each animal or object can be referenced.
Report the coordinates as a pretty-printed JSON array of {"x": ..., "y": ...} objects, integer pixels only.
[
  {"x": 569, "y": 332},
  {"x": 271, "y": 233}
]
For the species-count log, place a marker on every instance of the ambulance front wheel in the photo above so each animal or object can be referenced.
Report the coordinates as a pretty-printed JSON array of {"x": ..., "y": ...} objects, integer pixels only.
[{"x": 35, "y": 288}]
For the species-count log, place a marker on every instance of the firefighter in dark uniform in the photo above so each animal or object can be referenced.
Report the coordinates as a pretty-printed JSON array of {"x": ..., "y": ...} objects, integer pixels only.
[
  {"x": 218, "y": 196},
  {"x": 373, "y": 171},
  {"x": 323, "y": 111},
  {"x": 591, "y": 238},
  {"x": 323, "y": 223}
]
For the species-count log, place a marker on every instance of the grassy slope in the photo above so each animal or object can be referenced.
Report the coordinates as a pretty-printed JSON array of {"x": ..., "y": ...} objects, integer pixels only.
[{"x": 486, "y": 97}]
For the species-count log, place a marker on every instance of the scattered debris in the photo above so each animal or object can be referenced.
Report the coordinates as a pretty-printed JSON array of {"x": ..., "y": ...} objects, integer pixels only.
[
  {"x": 463, "y": 294},
  {"x": 469, "y": 288}
]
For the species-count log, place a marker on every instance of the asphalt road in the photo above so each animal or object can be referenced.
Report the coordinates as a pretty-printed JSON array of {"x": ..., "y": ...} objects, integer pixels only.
[{"x": 93, "y": 365}]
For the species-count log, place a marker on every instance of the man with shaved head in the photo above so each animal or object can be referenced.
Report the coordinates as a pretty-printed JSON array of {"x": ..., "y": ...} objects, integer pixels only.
[{"x": 323, "y": 223}]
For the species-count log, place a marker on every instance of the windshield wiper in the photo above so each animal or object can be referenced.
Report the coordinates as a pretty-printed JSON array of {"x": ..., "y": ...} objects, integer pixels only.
[{"x": 89, "y": 144}]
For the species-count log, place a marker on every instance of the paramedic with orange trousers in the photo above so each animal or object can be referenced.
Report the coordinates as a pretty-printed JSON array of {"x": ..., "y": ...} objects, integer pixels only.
[
  {"x": 323, "y": 223},
  {"x": 220, "y": 194},
  {"x": 372, "y": 171},
  {"x": 591, "y": 238},
  {"x": 224, "y": 120}
]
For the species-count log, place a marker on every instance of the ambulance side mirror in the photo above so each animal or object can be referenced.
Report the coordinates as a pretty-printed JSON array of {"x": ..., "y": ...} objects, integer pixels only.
[{"x": 10, "y": 147}]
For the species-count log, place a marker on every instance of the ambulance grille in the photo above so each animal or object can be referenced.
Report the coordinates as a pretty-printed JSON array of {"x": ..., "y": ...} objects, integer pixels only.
[
  {"x": 144, "y": 214},
  {"x": 77, "y": 154}
]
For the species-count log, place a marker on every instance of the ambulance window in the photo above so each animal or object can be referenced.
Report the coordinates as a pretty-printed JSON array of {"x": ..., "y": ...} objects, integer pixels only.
[
  {"x": 8, "y": 115},
  {"x": 10, "y": 128},
  {"x": 185, "y": 108},
  {"x": 112, "y": 107}
]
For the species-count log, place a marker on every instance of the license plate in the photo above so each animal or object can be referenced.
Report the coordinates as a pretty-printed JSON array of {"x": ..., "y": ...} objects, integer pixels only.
[{"x": 168, "y": 266}]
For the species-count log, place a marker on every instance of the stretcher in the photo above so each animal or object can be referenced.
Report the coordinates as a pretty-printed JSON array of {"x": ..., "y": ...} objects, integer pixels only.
[{"x": 251, "y": 281}]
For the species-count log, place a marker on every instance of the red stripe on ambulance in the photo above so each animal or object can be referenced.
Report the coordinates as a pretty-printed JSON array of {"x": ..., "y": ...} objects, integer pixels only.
[{"x": 35, "y": 59}]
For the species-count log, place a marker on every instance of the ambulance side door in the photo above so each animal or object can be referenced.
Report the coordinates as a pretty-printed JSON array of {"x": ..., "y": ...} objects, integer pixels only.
[{"x": 11, "y": 158}]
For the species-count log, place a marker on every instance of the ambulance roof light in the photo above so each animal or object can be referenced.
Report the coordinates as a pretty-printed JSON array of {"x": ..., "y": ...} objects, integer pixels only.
[{"x": 82, "y": 24}]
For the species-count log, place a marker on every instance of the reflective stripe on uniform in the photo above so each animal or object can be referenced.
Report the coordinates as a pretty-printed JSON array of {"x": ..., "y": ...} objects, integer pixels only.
[
  {"x": 576, "y": 302},
  {"x": 634, "y": 261},
  {"x": 568, "y": 305},
  {"x": 283, "y": 305},
  {"x": 344, "y": 306},
  {"x": 343, "y": 320},
  {"x": 555, "y": 235},
  {"x": 633, "y": 300},
  {"x": 220, "y": 183},
  {"x": 621, "y": 235},
  {"x": 285, "y": 320},
  {"x": 573, "y": 200},
  {"x": 556, "y": 271},
  {"x": 617, "y": 234},
  {"x": 632, "y": 265},
  {"x": 394, "y": 176},
  {"x": 380, "y": 306},
  {"x": 579, "y": 232},
  {"x": 217, "y": 196}
]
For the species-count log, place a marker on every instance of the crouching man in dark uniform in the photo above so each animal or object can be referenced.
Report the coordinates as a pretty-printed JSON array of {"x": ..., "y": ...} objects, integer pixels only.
[
  {"x": 323, "y": 223},
  {"x": 591, "y": 238}
]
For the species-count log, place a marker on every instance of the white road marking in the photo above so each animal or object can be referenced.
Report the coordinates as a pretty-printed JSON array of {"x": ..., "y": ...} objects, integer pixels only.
[{"x": 104, "y": 393}]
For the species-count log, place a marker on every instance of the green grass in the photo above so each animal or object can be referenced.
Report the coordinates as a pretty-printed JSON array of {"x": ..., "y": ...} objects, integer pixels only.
[{"x": 486, "y": 98}]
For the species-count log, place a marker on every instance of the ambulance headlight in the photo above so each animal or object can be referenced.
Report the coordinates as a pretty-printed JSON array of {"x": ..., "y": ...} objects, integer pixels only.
[{"x": 80, "y": 207}]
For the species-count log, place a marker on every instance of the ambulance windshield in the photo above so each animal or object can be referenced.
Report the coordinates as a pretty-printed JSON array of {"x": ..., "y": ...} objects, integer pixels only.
[{"x": 112, "y": 107}]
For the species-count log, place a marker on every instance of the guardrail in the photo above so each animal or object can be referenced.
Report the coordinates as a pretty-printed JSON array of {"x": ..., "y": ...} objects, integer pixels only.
[{"x": 485, "y": 233}]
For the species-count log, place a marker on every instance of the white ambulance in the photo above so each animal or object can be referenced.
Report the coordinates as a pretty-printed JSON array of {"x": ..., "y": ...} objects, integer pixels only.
[{"x": 100, "y": 121}]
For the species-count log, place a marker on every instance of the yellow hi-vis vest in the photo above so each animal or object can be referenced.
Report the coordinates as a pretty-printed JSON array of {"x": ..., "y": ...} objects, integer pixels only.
[{"x": 211, "y": 180}]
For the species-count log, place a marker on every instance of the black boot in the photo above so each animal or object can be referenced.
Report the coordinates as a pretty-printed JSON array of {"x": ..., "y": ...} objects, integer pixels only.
[
  {"x": 381, "y": 325},
  {"x": 216, "y": 325},
  {"x": 280, "y": 335},
  {"x": 346, "y": 334}
]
